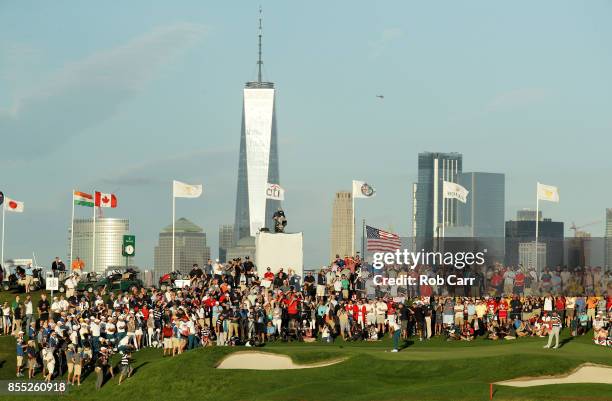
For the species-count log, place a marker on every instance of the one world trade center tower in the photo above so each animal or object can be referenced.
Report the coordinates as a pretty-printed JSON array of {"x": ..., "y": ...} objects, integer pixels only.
[{"x": 258, "y": 164}]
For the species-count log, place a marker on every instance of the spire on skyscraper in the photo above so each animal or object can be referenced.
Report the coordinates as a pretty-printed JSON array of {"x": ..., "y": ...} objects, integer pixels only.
[
  {"x": 259, "y": 82},
  {"x": 259, "y": 61}
]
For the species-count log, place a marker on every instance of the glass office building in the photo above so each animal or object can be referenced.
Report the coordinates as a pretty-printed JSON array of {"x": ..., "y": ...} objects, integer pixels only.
[
  {"x": 258, "y": 159},
  {"x": 109, "y": 240},
  {"x": 480, "y": 220},
  {"x": 484, "y": 210},
  {"x": 434, "y": 168}
]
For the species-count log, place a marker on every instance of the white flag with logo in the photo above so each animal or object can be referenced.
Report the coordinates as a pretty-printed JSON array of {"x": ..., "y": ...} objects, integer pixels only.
[
  {"x": 182, "y": 190},
  {"x": 452, "y": 190},
  {"x": 275, "y": 191},
  {"x": 362, "y": 189},
  {"x": 548, "y": 193},
  {"x": 11, "y": 205}
]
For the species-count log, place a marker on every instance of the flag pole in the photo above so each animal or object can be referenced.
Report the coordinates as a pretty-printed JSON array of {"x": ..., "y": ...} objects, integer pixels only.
[
  {"x": 363, "y": 235},
  {"x": 3, "y": 217},
  {"x": 353, "y": 226},
  {"x": 93, "y": 259},
  {"x": 537, "y": 224},
  {"x": 72, "y": 230},
  {"x": 173, "y": 219},
  {"x": 443, "y": 212}
]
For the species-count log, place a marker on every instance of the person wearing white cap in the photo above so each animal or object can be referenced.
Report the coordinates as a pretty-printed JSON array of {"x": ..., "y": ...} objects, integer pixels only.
[
  {"x": 599, "y": 321},
  {"x": 56, "y": 308},
  {"x": 20, "y": 355},
  {"x": 69, "y": 361},
  {"x": 94, "y": 328}
]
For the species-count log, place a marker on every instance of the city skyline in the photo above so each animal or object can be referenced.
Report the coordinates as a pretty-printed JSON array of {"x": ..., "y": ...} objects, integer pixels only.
[{"x": 168, "y": 77}]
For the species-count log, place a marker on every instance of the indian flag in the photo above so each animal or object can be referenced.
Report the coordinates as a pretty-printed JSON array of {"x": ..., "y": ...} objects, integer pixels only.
[{"x": 82, "y": 199}]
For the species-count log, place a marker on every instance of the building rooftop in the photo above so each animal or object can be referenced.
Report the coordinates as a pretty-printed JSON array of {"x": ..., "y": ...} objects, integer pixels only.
[{"x": 183, "y": 225}]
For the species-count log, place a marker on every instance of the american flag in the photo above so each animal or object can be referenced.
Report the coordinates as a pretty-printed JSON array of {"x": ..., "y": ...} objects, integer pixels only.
[{"x": 382, "y": 241}]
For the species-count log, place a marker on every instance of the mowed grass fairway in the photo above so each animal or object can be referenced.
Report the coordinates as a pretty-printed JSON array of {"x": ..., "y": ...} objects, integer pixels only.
[
  {"x": 432, "y": 370},
  {"x": 435, "y": 370}
]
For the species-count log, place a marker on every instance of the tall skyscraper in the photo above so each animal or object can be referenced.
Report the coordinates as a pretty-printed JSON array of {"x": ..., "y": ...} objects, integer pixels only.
[
  {"x": 434, "y": 168},
  {"x": 258, "y": 160},
  {"x": 109, "y": 240},
  {"x": 226, "y": 240},
  {"x": 189, "y": 248},
  {"x": 484, "y": 210},
  {"x": 343, "y": 225},
  {"x": 480, "y": 220},
  {"x": 608, "y": 240}
]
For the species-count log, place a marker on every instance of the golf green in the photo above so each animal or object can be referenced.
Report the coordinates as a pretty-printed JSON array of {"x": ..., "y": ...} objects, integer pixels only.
[{"x": 431, "y": 370}]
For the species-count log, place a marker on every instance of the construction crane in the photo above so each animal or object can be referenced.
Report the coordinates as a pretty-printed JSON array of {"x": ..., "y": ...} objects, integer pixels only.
[{"x": 573, "y": 226}]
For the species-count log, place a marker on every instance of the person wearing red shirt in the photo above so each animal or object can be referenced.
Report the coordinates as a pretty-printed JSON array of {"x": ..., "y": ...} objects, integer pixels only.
[
  {"x": 222, "y": 299},
  {"x": 145, "y": 313},
  {"x": 503, "y": 311},
  {"x": 496, "y": 281},
  {"x": 167, "y": 338},
  {"x": 292, "y": 304},
  {"x": 352, "y": 266},
  {"x": 355, "y": 311},
  {"x": 519, "y": 283},
  {"x": 349, "y": 263},
  {"x": 492, "y": 305},
  {"x": 390, "y": 307},
  {"x": 359, "y": 313},
  {"x": 560, "y": 307},
  {"x": 426, "y": 290},
  {"x": 268, "y": 275}
]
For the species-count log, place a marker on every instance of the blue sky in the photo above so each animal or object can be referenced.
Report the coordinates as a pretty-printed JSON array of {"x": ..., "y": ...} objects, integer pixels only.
[{"x": 126, "y": 96}]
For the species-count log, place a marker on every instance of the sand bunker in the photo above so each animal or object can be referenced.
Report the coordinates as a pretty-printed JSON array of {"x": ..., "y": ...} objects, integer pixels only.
[
  {"x": 266, "y": 361},
  {"x": 586, "y": 373}
]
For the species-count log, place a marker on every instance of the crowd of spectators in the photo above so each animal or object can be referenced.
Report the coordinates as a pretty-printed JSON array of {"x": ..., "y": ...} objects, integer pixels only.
[{"x": 229, "y": 304}]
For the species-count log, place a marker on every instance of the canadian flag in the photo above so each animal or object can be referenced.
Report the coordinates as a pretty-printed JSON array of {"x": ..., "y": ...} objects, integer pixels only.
[
  {"x": 13, "y": 205},
  {"x": 105, "y": 200}
]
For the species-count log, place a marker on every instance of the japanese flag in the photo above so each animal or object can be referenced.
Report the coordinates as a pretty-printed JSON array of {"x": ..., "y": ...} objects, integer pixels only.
[
  {"x": 105, "y": 200},
  {"x": 13, "y": 205}
]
